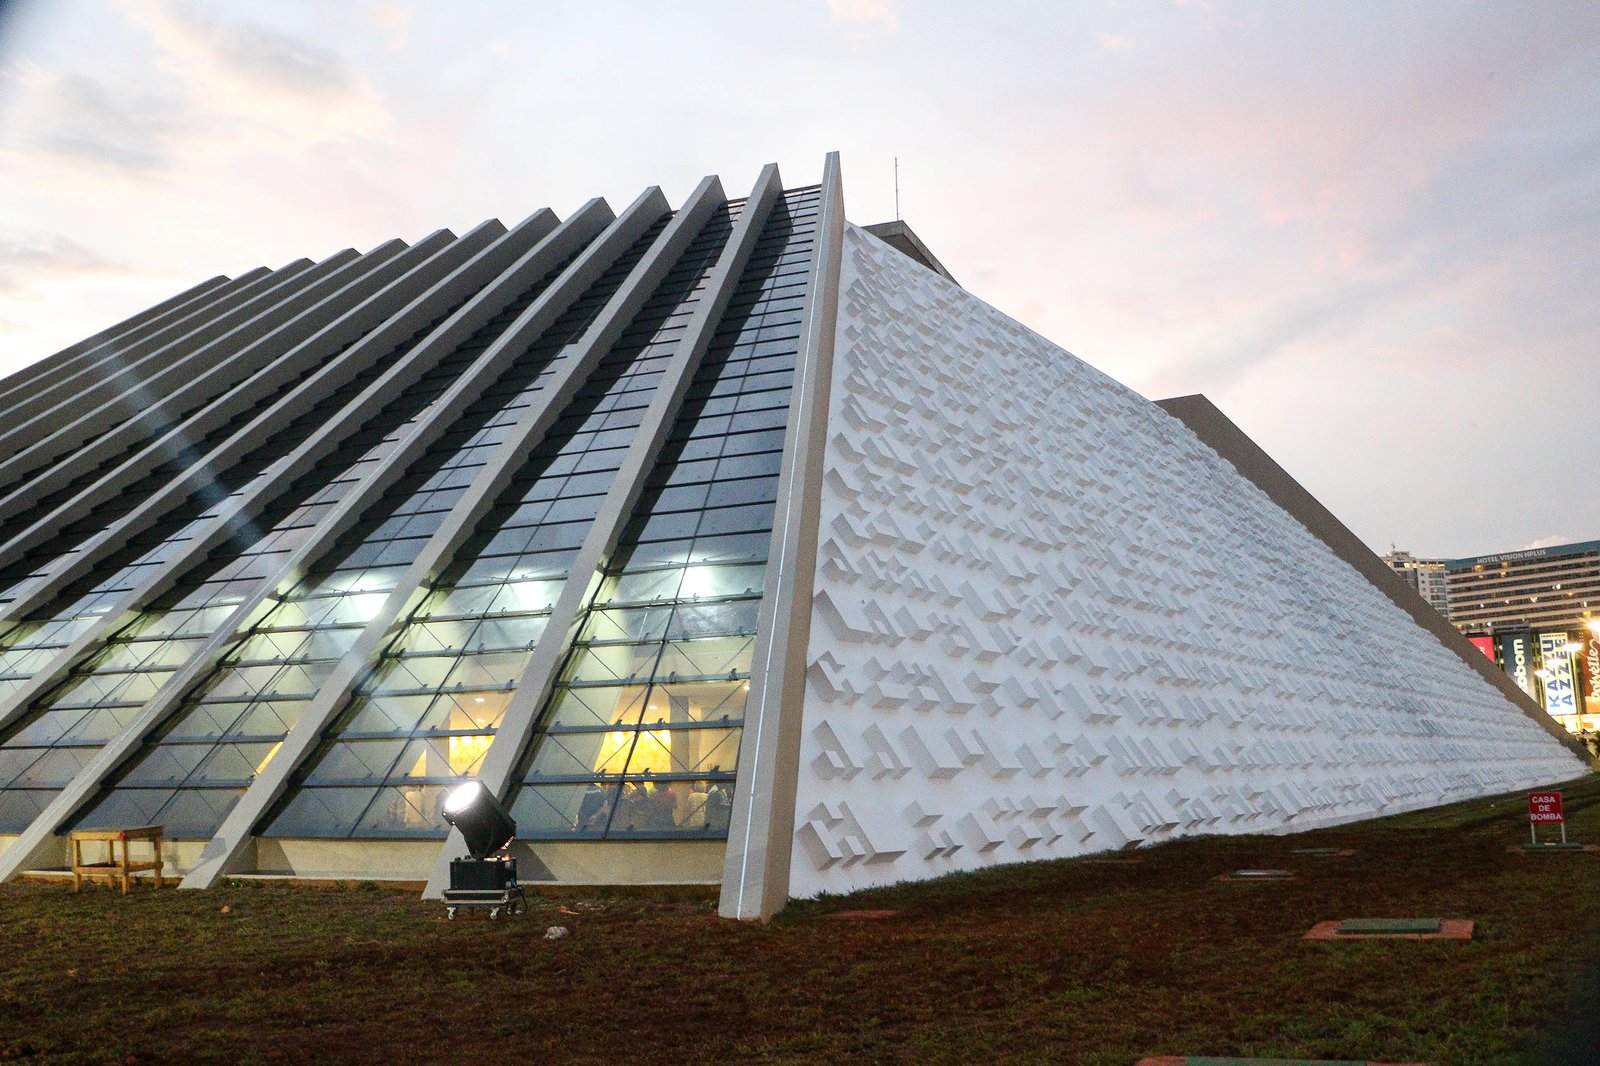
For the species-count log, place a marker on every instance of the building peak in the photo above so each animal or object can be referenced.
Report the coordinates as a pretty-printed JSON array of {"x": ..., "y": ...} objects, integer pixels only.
[{"x": 903, "y": 239}]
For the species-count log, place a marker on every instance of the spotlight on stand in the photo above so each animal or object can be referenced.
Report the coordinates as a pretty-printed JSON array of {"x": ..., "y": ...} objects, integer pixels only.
[
  {"x": 485, "y": 878},
  {"x": 482, "y": 822}
]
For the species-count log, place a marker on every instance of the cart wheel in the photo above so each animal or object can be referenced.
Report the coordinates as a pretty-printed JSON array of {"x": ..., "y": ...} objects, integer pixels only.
[{"x": 450, "y": 914}]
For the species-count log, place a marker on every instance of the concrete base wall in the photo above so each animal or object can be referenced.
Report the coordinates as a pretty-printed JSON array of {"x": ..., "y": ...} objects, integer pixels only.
[
  {"x": 361, "y": 860},
  {"x": 177, "y": 856},
  {"x": 610, "y": 862},
  {"x": 637, "y": 862}
]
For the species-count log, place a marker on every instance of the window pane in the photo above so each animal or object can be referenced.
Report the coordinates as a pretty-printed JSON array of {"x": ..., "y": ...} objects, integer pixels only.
[
  {"x": 684, "y": 751},
  {"x": 582, "y": 754},
  {"x": 356, "y": 760},
  {"x": 543, "y": 811},
  {"x": 126, "y": 807},
  {"x": 582, "y": 707},
  {"x": 709, "y": 657},
  {"x": 321, "y": 812},
  {"x": 636, "y": 624},
  {"x": 415, "y": 810}
]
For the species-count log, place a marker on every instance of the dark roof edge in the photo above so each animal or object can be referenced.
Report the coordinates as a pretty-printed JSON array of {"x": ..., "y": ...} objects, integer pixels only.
[
  {"x": 1524, "y": 554},
  {"x": 1218, "y": 432},
  {"x": 902, "y": 239}
]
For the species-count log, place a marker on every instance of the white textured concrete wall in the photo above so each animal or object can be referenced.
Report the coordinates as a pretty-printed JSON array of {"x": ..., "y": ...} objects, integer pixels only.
[{"x": 1050, "y": 621}]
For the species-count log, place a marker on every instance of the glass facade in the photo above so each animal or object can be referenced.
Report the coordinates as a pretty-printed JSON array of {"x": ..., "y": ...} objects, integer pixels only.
[
  {"x": 65, "y": 727},
  {"x": 55, "y": 554},
  {"x": 425, "y": 716},
  {"x": 640, "y": 737},
  {"x": 192, "y": 772}
]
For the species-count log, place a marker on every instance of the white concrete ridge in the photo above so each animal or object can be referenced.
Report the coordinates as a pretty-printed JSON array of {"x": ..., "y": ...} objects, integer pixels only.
[{"x": 1049, "y": 621}]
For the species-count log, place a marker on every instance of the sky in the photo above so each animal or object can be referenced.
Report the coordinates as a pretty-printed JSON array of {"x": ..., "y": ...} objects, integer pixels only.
[{"x": 1369, "y": 232}]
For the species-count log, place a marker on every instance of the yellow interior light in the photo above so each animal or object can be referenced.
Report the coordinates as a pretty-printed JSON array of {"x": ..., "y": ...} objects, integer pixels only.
[{"x": 263, "y": 764}]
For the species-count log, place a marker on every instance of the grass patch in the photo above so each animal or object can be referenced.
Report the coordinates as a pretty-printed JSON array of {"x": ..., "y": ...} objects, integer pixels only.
[{"x": 1051, "y": 962}]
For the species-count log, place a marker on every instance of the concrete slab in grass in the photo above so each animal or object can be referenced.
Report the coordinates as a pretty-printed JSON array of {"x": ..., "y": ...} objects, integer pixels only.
[
  {"x": 1323, "y": 853},
  {"x": 1388, "y": 925},
  {"x": 1554, "y": 847},
  {"x": 1257, "y": 875},
  {"x": 1201, "y": 1060},
  {"x": 1393, "y": 929}
]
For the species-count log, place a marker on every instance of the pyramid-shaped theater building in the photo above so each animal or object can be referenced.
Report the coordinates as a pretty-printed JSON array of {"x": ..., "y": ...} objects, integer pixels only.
[{"x": 726, "y": 543}]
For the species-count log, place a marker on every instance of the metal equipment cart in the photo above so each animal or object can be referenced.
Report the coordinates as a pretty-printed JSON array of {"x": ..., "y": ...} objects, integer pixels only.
[{"x": 484, "y": 884}]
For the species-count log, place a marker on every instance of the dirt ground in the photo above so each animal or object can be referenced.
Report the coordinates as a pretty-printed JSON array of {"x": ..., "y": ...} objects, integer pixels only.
[{"x": 1072, "y": 961}]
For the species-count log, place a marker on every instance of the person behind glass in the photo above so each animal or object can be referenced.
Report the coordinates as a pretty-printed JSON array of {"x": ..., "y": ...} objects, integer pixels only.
[
  {"x": 630, "y": 807},
  {"x": 691, "y": 812},
  {"x": 660, "y": 808},
  {"x": 593, "y": 809},
  {"x": 719, "y": 805}
]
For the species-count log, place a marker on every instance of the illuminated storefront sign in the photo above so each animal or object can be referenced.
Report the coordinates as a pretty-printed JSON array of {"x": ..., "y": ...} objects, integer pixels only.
[
  {"x": 1560, "y": 695},
  {"x": 1485, "y": 645},
  {"x": 1589, "y": 673},
  {"x": 1516, "y": 659}
]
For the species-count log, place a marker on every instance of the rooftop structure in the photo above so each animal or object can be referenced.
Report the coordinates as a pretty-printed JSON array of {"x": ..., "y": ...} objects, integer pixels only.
[
  {"x": 723, "y": 543},
  {"x": 1424, "y": 576}
]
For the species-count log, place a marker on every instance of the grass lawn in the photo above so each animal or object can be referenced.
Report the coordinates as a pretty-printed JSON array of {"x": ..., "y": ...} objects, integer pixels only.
[{"x": 1060, "y": 962}]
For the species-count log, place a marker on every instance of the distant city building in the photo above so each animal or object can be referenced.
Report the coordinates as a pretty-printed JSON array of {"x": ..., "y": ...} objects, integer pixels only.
[
  {"x": 1533, "y": 612},
  {"x": 1540, "y": 588},
  {"x": 1425, "y": 576}
]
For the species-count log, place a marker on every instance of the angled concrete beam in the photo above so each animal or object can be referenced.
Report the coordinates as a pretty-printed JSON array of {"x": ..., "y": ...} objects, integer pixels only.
[
  {"x": 38, "y": 374},
  {"x": 555, "y": 247},
  {"x": 235, "y": 833},
  {"x": 602, "y": 241},
  {"x": 152, "y": 406},
  {"x": 195, "y": 337},
  {"x": 129, "y": 326},
  {"x": 538, "y": 678},
  {"x": 126, "y": 348},
  {"x": 125, "y": 363},
  {"x": 575, "y": 233},
  {"x": 755, "y": 874},
  {"x": 561, "y": 294},
  {"x": 465, "y": 265},
  {"x": 534, "y": 320}
]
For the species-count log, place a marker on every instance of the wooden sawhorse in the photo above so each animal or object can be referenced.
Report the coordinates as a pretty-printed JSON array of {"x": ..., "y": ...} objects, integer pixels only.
[{"x": 113, "y": 870}]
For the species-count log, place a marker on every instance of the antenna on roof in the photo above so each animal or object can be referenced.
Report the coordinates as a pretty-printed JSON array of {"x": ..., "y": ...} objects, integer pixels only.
[{"x": 897, "y": 188}]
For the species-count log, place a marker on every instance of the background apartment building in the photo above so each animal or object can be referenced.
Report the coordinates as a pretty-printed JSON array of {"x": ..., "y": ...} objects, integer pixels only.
[
  {"x": 1425, "y": 576},
  {"x": 1533, "y": 612}
]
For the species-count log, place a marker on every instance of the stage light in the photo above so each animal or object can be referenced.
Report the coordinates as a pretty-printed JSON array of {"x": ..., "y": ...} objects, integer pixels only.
[
  {"x": 485, "y": 879},
  {"x": 484, "y": 824}
]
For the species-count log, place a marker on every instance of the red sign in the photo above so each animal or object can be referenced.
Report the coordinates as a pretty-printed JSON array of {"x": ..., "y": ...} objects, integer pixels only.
[
  {"x": 1485, "y": 645},
  {"x": 1545, "y": 807}
]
